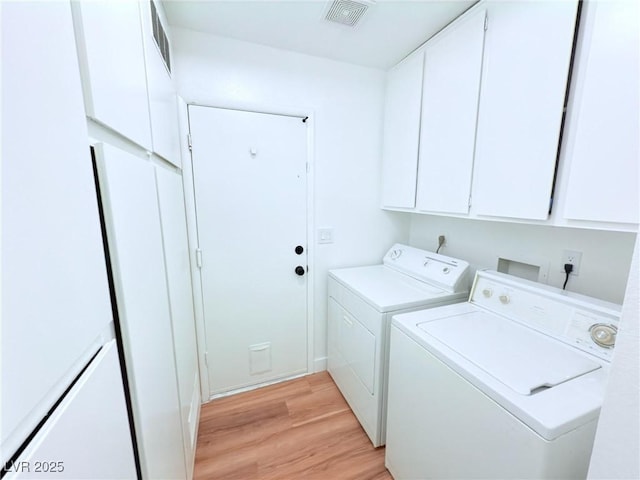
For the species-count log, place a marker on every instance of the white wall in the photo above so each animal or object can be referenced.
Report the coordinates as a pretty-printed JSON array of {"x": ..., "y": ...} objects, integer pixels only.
[
  {"x": 346, "y": 103},
  {"x": 606, "y": 256},
  {"x": 615, "y": 451}
]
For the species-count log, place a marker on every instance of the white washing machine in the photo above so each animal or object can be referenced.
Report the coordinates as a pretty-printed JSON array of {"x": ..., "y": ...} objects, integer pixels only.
[
  {"x": 362, "y": 301},
  {"x": 508, "y": 385}
]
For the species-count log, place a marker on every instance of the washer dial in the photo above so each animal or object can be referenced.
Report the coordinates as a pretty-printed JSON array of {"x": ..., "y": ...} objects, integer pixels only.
[{"x": 603, "y": 334}]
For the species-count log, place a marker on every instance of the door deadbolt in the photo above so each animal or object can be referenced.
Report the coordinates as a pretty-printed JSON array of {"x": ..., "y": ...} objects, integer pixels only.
[{"x": 299, "y": 249}]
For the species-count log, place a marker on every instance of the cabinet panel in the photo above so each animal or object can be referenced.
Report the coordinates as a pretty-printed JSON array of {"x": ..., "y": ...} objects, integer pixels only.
[
  {"x": 453, "y": 64},
  {"x": 602, "y": 147},
  {"x": 526, "y": 62},
  {"x": 132, "y": 217},
  {"x": 111, "y": 56},
  {"x": 401, "y": 133},
  {"x": 88, "y": 433},
  {"x": 176, "y": 254},
  {"x": 55, "y": 294},
  {"x": 163, "y": 103}
]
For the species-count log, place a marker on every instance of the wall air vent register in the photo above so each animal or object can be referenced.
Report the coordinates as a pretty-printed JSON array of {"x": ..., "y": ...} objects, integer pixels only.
[{"x": 160, "y": 37}]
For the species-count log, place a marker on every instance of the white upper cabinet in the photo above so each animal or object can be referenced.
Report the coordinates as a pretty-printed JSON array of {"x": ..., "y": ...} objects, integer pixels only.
[
  {"x": 602, "y": 127},
  {"x": 401, "y": 133},
  {"x": 111, "y": 53},
  {"x": 452, "y": 69},
  {"x": 527, "y": 56},
  {"x": 162, "y": 96}
]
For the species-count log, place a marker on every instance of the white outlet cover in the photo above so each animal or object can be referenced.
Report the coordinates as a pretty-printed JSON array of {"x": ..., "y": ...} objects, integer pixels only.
[
  {"x": 574, "y": 257},
  {"x": 325, "y": 235}
]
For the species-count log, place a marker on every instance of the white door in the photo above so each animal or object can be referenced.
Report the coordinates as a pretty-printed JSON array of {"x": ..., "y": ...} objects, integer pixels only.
[{"x": 250, "y": 188}]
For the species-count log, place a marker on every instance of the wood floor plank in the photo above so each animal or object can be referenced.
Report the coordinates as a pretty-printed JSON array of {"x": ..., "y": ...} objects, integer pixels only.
[
  {"x": 300, "y": 429},
  {"x": 316, "y": 405}
]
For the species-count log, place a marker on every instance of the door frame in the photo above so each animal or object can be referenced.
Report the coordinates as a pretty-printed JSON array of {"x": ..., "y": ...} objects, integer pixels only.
[{"x": 192, "y": 226}]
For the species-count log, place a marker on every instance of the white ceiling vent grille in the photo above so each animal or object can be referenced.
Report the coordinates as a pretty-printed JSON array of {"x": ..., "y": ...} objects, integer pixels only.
[{"x": 346, "y": 12}]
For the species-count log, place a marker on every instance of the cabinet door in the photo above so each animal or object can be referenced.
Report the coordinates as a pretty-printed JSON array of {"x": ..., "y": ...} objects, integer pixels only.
[
  {"x": 163, "y": 103},
  {"x": 55, "y": 293},
  {"x": 401, "y": 133},
  {"x": 524, "y": 81},
  {"x": 132, "y": 217},
  {"x": 109, "y": 38},
  {"x": 176, "y": 254},
  {"x": 452, "y": 68},
  {"x": 88, "y": 434},
  {"x": 602, "y": 147}
]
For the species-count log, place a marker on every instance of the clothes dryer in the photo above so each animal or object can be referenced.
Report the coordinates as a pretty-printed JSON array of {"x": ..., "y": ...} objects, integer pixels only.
[{"x": 362, "y": 301}]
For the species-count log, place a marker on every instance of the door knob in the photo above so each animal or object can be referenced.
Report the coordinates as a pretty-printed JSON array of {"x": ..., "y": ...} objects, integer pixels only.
[
  {"x": 299, "y": 270},
  {"x": 299, "y": 249}
]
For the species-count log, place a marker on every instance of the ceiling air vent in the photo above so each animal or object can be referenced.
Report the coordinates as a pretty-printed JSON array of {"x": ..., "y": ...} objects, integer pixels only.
[{"x": 346, "y": 12}]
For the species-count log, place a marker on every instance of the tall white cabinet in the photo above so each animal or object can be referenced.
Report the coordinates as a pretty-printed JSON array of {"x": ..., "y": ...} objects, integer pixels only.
[
  {"x": 131, "y": 106},
  {"x": 58, "y": 356}
]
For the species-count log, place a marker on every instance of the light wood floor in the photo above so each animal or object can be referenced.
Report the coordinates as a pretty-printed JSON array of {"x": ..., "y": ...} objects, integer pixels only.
[{"x": 300, "y": 429}]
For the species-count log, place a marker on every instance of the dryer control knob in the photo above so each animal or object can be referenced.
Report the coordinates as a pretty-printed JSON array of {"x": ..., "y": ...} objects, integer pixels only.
[
  {"x": 487, "y": 292},
  {"x": 504, "y": 299}
]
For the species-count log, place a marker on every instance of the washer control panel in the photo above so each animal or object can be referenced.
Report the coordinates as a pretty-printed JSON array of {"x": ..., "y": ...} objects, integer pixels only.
[
  {"x": 584, "y": 322},
  {"x": 593, "y": 333}
]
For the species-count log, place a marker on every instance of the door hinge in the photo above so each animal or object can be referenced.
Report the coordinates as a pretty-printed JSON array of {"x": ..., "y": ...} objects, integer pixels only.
[
  {"x": 308, "y": 167},
  {"x": 206, "y": 358},
  {"x": 469, "y": 202},
  {"x": 189, "y": 142},
  {"x": 486, "y": 23},
  {"x": 199, "y": 258}
]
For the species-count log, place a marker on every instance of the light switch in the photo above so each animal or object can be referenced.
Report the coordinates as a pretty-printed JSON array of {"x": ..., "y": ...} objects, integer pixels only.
[{"x": 325, "y": 235}]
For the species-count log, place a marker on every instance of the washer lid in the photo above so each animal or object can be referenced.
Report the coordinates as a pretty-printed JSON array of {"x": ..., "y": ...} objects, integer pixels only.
[{"x": 520, "y": 358}]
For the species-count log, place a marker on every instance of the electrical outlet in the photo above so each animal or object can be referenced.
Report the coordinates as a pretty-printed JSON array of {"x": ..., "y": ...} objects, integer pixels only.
[{"x": 572, "y": 257}]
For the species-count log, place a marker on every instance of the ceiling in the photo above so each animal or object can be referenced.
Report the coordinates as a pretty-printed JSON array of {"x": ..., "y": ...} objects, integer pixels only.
[{"x": 386, "y": 32}]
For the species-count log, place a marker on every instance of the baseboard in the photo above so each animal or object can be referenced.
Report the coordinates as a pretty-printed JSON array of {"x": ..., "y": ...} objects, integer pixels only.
[{"x": 320, "y": 364}]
